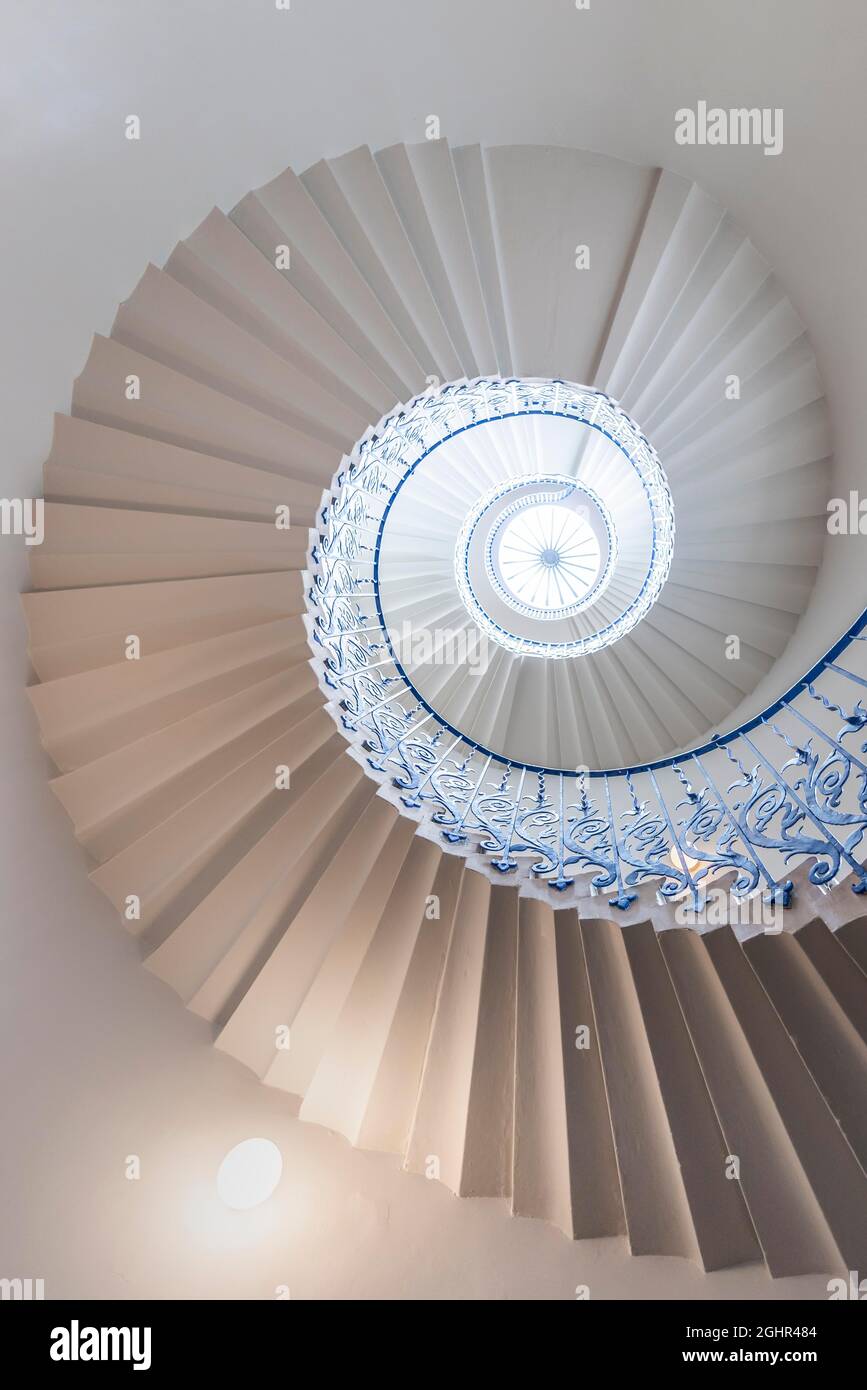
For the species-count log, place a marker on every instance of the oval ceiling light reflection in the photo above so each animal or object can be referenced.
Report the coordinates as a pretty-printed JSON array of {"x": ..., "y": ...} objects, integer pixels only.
[{"x": 249, "y": 1173}]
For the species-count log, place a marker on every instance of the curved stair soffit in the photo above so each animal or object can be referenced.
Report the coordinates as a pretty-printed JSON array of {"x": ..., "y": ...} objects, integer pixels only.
[{"x": 534, "y": 1044}]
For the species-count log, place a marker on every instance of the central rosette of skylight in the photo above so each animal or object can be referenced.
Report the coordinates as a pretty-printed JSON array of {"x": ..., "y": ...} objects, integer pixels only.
[{"x": 546, "y": 560}]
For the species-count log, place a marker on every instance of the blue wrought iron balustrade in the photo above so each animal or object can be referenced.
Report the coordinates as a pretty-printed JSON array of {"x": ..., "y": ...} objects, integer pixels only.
[{"x": 788, "y": 787}]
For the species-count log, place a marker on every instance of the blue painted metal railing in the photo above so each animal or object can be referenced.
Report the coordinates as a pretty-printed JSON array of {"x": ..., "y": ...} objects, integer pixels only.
[
  {"x": 791, "y": 785},
  {"x": 787, "y": 787}
]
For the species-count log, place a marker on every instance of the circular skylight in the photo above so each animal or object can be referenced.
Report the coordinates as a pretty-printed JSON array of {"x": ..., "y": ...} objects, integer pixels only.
[
  {"x": 546, "y": 558},
  {"x": 545, "y": 547},
  {"x": 548, "y": 544}
]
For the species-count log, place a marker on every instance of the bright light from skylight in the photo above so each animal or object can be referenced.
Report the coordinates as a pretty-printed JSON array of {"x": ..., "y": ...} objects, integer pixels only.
[{"x": 548, "y": 557}]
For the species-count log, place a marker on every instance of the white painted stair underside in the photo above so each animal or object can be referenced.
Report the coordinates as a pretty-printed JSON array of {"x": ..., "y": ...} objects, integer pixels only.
[{"x": 451, "y": 1033}]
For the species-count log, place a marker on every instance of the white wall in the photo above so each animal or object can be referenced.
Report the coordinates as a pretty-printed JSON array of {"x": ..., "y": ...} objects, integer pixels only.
[{"x": 97, "y": 1059}]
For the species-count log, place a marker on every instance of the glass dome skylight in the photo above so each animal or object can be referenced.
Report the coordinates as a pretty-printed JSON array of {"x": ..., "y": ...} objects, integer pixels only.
[{"x": 547, "y": 557}]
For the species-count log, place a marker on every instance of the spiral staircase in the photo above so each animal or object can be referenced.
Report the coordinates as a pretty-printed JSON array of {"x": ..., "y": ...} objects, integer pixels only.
[{"x": 466, "y": 919}]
